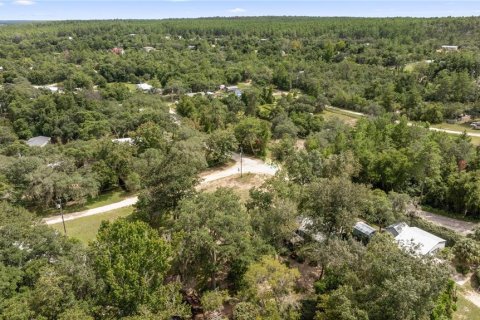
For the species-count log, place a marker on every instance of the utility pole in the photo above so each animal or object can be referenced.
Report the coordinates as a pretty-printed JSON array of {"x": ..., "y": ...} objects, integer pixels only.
[
  {"x": 59, "y": 206},
  {"x": 241, "y": 161}
]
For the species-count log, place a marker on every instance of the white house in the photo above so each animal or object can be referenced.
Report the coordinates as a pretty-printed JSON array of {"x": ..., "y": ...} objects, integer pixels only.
[
  {"x": 123, "y": 140},
  {"x": 450, "y": 48},
  {"x": 39, "y": 141},
  {"x": 148, "y": 49},
  {"x": 51, "y": 87},
  {"x": 144, "y": 87},
  {"x": 422, "y": 242}
]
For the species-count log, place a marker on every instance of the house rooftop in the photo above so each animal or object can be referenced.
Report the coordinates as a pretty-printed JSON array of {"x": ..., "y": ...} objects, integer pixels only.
[
  {"x": 40, "y": 141},
  {"x": 364, "y": 228},
  {"x": 144, "y": 86},
  {"x": 421, "y": 241}
]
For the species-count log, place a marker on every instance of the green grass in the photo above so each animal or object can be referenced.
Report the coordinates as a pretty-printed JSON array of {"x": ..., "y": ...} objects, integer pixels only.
[
  {"x": 466, "y": 310},
  {"x": 85, "y": 229},
  {"x": 455, "y": 126},
  {"x": 345, "y": 117}
]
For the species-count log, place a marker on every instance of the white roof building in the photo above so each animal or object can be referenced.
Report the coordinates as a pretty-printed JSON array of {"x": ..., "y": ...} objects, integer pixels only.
[
  {"x": 144, "y": 87},
  {"x": 450, "y": 48},
  {"x": 421, "y": 241},
  {"x": 123, "y": 140},
  {"x": 148, "y": 49},
  {"x": 51, "y": 87},
  {"x": 39, "y": 141}
]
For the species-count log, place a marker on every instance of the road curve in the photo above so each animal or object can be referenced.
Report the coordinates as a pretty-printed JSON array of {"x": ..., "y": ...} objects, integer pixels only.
[{"x": 249, "y": 165}]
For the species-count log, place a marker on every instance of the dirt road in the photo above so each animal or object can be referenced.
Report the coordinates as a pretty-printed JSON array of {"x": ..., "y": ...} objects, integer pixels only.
[
  {"x": 459, "y": 226},
  {"x": 353, "y": 113},
  {"x": 249, "y": 165}
]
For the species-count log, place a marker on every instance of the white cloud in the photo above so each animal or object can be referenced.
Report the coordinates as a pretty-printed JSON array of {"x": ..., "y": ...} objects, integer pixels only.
[
  {"x": 24, "y": 2},
  {"x": 237, "y": 10}
]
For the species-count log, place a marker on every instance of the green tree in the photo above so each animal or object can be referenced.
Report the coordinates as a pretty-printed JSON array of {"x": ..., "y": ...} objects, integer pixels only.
[
  {"x": 214, "y": 233},
  {"x": 253, "y": 135},
  {"x": 131, "y": 259},
  {"x": 271, "y": 285},
  {"x": 220, "y": 145}
]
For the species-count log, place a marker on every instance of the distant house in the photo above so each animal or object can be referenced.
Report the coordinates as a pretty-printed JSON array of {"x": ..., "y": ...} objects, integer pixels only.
[
  {"x": 51, "y": 87},
  {"x": 475, "y": 125},
  {"x": 460, "y": 119},
  {"x": 123, "y": 140},
  {"x": 148, "y": 49},
  {"x": 192, "y": 47},
  {"x": 193, "y": 94},
  {"x": 449, "y": 48},
  {"x": 39, "y": 141},
  {"x": 234, "y": 89},
  {"x": 144, "y": 87},
  {"x": 118, "y": 50},
  {"x": 422, "y": 242},
  {"x": 231, "y": 88},
  {"x": 363, "y": 231}
]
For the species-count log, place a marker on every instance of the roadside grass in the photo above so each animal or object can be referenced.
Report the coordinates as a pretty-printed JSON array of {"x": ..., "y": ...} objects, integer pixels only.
[
  {"x": 343, "y": 116},
  {"x": 99, "y": 201},
  {"x": 466, "y": 310},
  {"x": 85, "y": 229},
  {"x": 455, "y": 127}
]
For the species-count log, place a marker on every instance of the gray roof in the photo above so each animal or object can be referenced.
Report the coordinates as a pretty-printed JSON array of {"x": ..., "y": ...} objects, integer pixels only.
[
  {"x": 39, "y": 141},
  {"x": 397, "y": 228},
  {"x": 364, "y": 228}
]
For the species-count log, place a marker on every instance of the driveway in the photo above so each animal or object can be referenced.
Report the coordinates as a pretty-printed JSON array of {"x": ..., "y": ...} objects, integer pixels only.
[
  {"x": 249, "y": 165},
  {"x": 459, "y": 226}
]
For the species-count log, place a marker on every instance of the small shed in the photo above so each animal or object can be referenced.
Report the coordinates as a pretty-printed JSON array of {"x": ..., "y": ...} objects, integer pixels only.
[
  {"x": 363, "y": 231},
  {"x": 40, "y": 141}
]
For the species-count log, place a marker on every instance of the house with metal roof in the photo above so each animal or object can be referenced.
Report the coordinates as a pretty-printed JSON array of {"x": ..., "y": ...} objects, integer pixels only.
[
  {"x": 363, "y": 231},
  {"x": 39, "y": 141},
  {"x": 413, "y": 238}
]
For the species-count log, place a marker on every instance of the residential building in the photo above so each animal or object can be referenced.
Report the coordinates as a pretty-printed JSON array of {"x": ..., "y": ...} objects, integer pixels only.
[
  {"x": 413, "y": 238},
  {"x": 40, "y": 141}
]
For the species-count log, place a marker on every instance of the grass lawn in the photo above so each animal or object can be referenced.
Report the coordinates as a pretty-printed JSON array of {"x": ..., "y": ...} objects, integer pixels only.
[
  {"x": 343, "y": 116},
  {"x": 455, "y": 126},
  {"x": 85, "y": 229},
  {"x": 466, "y": 310}
]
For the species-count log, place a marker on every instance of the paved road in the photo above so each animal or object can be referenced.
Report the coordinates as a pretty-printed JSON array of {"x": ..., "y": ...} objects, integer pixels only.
[{"x": 250, "y": 165}]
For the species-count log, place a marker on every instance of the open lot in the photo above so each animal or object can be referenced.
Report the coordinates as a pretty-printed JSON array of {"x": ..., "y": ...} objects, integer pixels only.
[{"x": 85, "y": 229}]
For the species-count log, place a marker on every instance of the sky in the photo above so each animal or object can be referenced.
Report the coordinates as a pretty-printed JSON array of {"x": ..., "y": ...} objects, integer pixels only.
[{"x": 160, "y": 9}]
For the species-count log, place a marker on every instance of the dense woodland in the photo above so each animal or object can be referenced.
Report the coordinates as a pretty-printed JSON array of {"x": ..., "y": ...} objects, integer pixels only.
[{"x": 236, "y": 256}]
